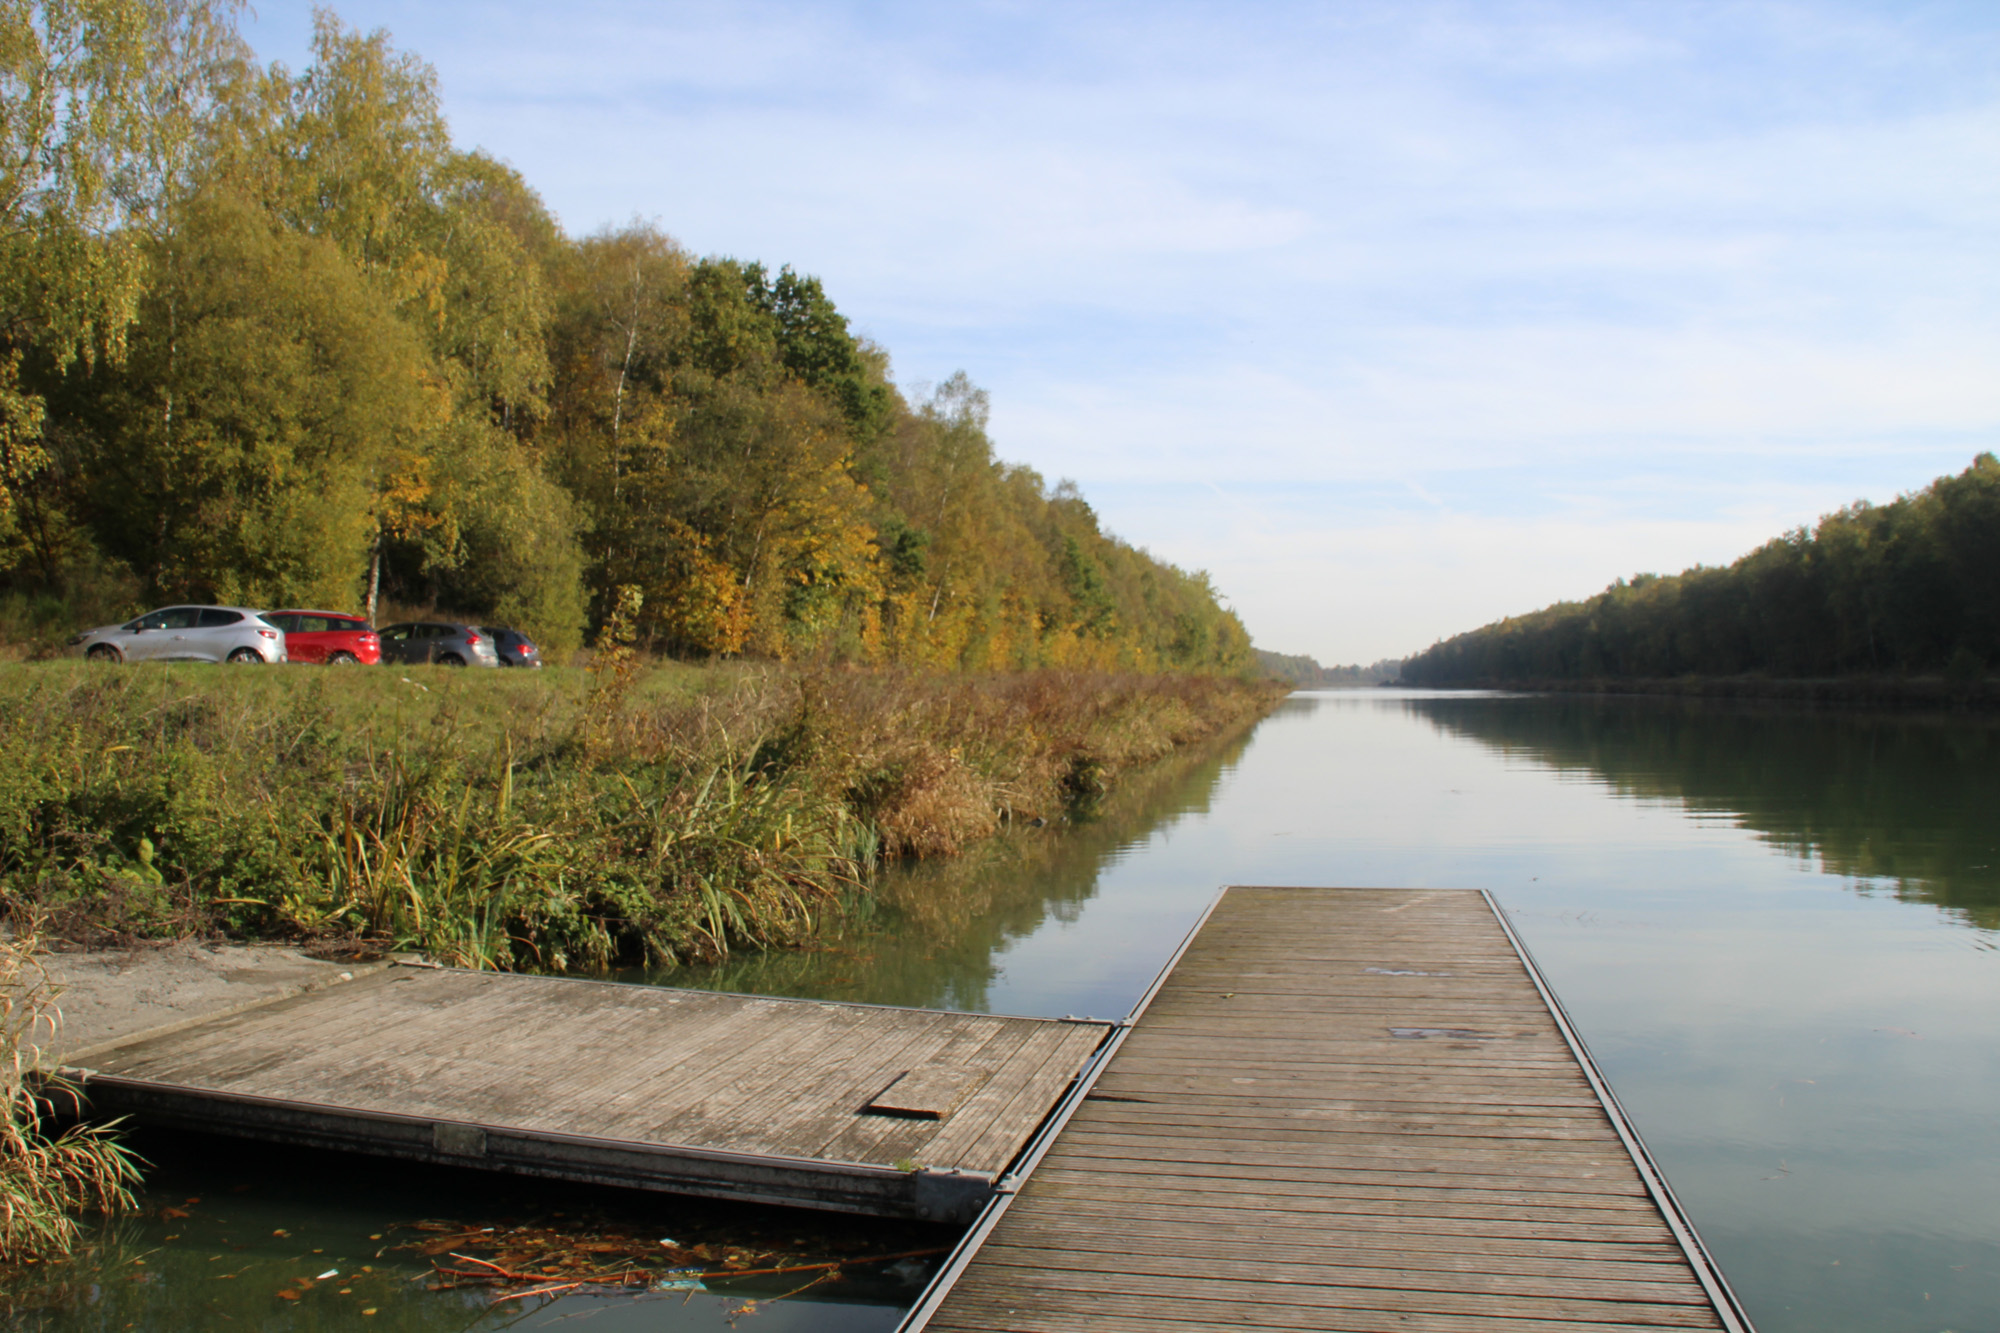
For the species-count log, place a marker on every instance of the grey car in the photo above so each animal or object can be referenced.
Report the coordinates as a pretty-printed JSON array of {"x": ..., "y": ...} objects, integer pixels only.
[
  {"x": 513, "y": 648},
  {"x": 445, "y": 642},
  {"x": 185, "y": 634}
]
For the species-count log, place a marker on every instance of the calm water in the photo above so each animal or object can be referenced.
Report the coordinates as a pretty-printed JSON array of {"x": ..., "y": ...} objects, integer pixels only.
[{"x": 1776, "y": 928}]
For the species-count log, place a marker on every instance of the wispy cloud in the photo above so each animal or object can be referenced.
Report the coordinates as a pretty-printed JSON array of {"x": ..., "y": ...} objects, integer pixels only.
[{"x": 1461, "y": 305}]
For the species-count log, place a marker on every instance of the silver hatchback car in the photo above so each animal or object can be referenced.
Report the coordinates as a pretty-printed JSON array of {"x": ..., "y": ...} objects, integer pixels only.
[{"x": 185, "y": 634}]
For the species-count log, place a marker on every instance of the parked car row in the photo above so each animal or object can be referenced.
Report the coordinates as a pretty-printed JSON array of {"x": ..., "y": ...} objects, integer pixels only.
[{"x": 240, "y": 634}]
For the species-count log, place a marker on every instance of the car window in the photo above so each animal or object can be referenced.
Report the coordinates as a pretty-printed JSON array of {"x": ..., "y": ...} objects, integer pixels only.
[
  {"x": 285, "y": 623},
  {"x": 394, "y": 633},
  {"x": 173, "y": 617},
  {"x": 345, "y": 625},
  {"x": 214, "y": 617},
  {"x": 312, "y": 624},
  {"x": 438, "y": 631}
]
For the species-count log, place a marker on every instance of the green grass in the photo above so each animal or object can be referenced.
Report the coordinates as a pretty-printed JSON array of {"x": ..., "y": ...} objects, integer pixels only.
[{"x": 554, "y": 819}]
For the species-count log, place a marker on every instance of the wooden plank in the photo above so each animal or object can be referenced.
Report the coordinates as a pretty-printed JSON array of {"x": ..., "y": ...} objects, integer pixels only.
[
  {"x": 720, "y": 1094},
  {"x": 1244, "y": 1232},
  {"x": 1117, "y": 1313},
  {"x": 1344, "y": 1110},
  {"x": 1065, "y": 1254},
  {"x": 1078, "y": 1286},
  {"x": 1033, "y": 1092},
  {"x": 928, "y": 1092}
]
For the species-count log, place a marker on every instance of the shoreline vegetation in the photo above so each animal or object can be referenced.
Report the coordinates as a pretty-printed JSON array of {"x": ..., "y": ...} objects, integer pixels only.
[
  {"x": 273, "y": 341},
  {"x": 1894, "y": 603},
  {"x": 1303, "y": 672},
  {"x": 559, "y": 820},
  {"x": 46, "y": 1177},
  {"x": 270, "y": 339}
]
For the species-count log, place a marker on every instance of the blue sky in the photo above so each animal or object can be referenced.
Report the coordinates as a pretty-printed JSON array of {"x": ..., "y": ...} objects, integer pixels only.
[{"x": 1395, "y": 317}]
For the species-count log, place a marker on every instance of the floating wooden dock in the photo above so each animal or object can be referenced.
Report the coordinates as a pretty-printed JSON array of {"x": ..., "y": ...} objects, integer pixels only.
[
  {"x": 1340, "y": 1109},
  {"x": 862, "y": 1108}
]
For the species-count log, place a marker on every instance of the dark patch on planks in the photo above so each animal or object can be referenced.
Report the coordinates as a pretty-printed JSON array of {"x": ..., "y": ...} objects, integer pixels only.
[
  {"x": 737, "y": 1096},
  {"x": 1341, "y": 1109}
]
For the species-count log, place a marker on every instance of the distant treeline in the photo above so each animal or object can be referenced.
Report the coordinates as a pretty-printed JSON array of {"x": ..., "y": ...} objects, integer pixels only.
[
  {"x": 1912, "y": 586},
  {"x": 1305, "y": 673},
  {"x": 266, "y": 337}
]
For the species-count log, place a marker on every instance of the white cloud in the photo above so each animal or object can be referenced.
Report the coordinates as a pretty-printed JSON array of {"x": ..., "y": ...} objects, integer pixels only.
[{"x": 1464, "y": 306}]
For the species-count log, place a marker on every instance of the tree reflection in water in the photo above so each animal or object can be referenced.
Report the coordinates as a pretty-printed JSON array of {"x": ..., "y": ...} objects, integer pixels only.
[{"x": 1900, "y": 801}]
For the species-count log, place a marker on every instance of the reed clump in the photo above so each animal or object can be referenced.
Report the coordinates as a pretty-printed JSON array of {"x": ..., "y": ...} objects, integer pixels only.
[
  {"x": 557, "y": 820},
  {"x": 46, "y": 1178}
]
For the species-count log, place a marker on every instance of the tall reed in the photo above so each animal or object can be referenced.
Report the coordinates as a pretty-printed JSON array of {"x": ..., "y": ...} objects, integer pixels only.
[
  {"x": 555, "y": 820},
  {"x": 45, "y": 1179}
]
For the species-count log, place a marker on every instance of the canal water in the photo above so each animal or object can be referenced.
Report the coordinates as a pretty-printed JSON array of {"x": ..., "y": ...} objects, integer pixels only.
[{"x": 1778, "y": 929}]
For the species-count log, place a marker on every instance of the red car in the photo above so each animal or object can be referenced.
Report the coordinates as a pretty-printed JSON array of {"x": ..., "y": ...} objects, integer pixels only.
[{"x": 327, "y": 636}]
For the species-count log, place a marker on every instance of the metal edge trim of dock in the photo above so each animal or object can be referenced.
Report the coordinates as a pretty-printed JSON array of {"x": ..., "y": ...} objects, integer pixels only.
[
  {"x": 1706, "y": 1271},
  {"x": 1038, "y": 1145}
]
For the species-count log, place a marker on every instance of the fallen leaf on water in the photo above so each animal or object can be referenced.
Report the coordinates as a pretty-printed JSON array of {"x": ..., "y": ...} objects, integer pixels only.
[
  {"x": 369, "y": 1310},
  {"x": 173, "y": 1212},
  {"x": 281, "y": 1232},
  {"x": 288, "y": 1295}
]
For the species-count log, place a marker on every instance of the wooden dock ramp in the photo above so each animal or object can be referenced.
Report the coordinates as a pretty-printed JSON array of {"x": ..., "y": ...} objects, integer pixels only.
[
  {"x": 854, "y": 1107},
  {"x": 1340, "y": 1109}
]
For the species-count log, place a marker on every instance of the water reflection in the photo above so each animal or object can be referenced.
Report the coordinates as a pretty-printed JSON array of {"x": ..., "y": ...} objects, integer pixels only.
[
  {"x": 1903, "y": 801},
  {"x": 935, "y": 934},
  {"x": 1812, "y": 1065}
]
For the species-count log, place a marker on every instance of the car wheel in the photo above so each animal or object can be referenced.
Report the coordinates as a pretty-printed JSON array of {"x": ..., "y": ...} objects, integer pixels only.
[
  {"x": 342, "y": 659},
  {"x": 104, "y": 652},
  {"x": 243, "y": 656},
  {"x": 451, "y": 659}
]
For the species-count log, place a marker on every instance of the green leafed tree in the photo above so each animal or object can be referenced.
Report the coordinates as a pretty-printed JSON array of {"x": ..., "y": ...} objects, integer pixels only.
[
  {"x": 238, "y": 451},
  {"x": 101, "y": 102}
]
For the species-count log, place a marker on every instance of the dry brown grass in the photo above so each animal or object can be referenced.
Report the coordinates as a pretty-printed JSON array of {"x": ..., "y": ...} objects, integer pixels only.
[{"x": 557, "y": 819}]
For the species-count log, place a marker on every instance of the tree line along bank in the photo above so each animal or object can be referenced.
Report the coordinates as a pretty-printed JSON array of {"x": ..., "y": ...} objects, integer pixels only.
[
  {"x": 1911, "y": 587},
  {"x": 267, "y": 338}
]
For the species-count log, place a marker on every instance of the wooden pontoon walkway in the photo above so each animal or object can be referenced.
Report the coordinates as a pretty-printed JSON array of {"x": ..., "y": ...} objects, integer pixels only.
[
  {"x": 1341, "y": 1109},
  {"x": 863, "y": 1108}
]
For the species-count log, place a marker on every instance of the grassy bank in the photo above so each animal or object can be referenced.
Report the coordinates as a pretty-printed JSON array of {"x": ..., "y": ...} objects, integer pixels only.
[{"x": 553, "y": 820}]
